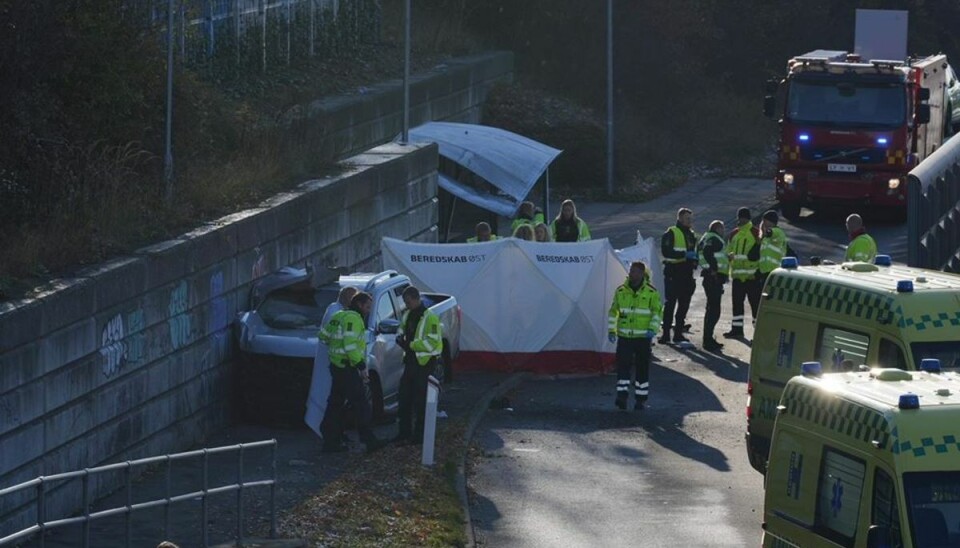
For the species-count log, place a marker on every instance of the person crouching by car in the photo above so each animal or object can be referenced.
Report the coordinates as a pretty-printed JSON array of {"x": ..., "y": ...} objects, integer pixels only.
[
  {"x": 346, "y": 340},
  {"x": 422, "y": 343}
]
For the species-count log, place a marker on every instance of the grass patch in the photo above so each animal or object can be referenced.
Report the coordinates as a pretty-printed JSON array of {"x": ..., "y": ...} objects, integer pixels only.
[{"x": 388, "y": 499}]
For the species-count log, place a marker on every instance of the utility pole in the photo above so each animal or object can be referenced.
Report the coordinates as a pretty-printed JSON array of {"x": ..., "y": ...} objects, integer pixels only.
[
  {"x": 406, "y": 73},
  {"x": 610, "y": 97},
  {"x": 168, "y": 153}
]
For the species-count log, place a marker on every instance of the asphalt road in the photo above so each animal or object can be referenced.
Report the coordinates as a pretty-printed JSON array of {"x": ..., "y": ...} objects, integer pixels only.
[{"x": 562, "y": 467}]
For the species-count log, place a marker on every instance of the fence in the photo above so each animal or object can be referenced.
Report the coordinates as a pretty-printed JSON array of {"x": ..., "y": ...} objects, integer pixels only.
[
  {"x": 264, "y": 33},
  {"x": 43, "y": 484},
  {"x": 933, "y": 214}
]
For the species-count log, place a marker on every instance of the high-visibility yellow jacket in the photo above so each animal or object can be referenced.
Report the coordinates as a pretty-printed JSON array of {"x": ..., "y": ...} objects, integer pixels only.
[
  {"x": 537, "y": 219},
  {"x": 742, "y": 243},
  {"x": 773, "y": 248},
  {"x": 634, "y": 312},
  {"x": 474, "y": 240},
  {"x": 428, "y": 340},
  {"x": 345, "y": 337},
  {"x": 719, "y": 255},
  {"x": 583, "y": 231},
  {"x": 863, "y": 248}
]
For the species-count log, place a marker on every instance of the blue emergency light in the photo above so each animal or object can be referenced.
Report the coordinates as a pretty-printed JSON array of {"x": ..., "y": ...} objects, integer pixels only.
[
  {"x": 811, "y": 369},
  {"x": 881, "y": 140},
  {"x": 909, "y": 401},
  {"x": 804, "y": 137},
  {"x": 883, "y": 260},
  {"x": 930, "y": 365},
  {"x": 789, "y": 262},
  {"x": 905, "y": 286}
]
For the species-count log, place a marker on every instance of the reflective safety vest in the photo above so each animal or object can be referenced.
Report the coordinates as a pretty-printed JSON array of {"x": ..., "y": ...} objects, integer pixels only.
[
  {"x": 537, "y": 219},
  {"x": 345, "y": 337},
  {"x": 863, "y": 248},
  {"x": 583, "y": 231},
  {"x": 475, "y": 241},
  {"x": 427, "y": 341},
  {"x": 773, "y": 248},
  {"x": 679, "y": 245},
  {"x": 633, "y": 313},
  {"x": 741, "y": 267},
  {"x": 723, "y": 264}
]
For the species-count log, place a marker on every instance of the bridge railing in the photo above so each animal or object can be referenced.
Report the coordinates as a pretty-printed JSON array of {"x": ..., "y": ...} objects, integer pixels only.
[
  {"x": 933, "y": 210},
  {"x": 42, "y": 484}
]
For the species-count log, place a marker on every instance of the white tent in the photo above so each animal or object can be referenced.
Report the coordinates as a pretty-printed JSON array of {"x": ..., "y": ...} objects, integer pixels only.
[{"x": 526, "y": 305}]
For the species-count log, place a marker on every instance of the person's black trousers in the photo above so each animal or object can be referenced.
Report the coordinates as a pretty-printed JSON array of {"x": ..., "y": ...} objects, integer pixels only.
[
  {"x": 749, "y": 290},
  {"x": 678, "y": 289},
  {"x": 633, "y": 353},
  {"x": 413, "y": 397},
  {"x": 347, "y": 386},
  {"x": 713, "y": 288}
]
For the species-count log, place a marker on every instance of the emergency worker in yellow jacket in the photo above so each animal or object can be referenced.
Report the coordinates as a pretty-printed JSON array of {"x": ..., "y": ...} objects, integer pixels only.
[
  {"x": 773, "y": 245},
  {"x": 346, "y": 340},
  {"x": 422, "y": 341},
  {"x": 633, "y": 321},
  {"x": 744, "y": 252},
  {"x": 862, "y": 246}
]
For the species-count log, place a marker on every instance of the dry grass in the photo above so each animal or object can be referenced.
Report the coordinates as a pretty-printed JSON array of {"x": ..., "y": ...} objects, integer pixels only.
[{"x": 388, "y": 499}]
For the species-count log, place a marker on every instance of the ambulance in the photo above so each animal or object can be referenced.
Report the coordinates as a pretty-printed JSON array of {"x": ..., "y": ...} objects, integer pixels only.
[
  {"x": 845, "y": 316},
  {"x": 868, "y": 459}
]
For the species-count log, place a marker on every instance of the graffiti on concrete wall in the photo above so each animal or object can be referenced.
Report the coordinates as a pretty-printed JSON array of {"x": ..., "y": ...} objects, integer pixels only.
[
  {"x": 136, "y": 345},
  {"x": 113, "y": 351},
  {"x": 179, "y": 320},
  {"x": 218, "y": 305}
]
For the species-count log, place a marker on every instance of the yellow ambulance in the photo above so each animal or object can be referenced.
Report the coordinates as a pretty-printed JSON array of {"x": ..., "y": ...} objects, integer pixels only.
[
  {"x": 845, "y": 316},
  {"x": 866, "y": 460}
]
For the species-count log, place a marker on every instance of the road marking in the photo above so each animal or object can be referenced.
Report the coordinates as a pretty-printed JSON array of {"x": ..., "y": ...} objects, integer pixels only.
[{"x": 526, "y": 450}]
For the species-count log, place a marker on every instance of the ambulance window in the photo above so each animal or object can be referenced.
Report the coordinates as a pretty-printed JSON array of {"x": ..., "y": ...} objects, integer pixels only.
[
  {"x": 885, "y": 511},
  {"x": 838, "y": 496},
  {"x": 890, "y": 355},
  {"x": 842, "y": 350}
]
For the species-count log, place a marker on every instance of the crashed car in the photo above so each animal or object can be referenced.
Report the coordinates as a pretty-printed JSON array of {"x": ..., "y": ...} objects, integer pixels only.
[{"x": 277, "y": 341}]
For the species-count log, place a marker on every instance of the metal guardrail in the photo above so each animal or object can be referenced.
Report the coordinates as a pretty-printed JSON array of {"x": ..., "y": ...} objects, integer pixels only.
[
  {"x": 40, "y": 485},
  {"x": 933, "y": 210}
]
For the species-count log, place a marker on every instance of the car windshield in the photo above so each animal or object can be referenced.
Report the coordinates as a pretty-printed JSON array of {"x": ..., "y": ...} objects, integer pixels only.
[
  {"x": 295, "y": 307},
  {"x": 948, "y": 352},
  {"x": 933, "y": 503},
  {"x": 846, "y": 104}
]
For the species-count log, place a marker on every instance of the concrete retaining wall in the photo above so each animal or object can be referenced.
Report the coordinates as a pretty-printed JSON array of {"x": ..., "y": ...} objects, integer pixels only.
[
  {"x": 131, "y": 358},
  {"x": 454, "y": 92}
]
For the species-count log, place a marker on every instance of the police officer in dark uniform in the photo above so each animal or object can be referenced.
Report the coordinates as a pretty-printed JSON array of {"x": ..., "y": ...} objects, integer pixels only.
[
  {"x": 678, "y": 246},
  {"x": 714, "y": 268}
]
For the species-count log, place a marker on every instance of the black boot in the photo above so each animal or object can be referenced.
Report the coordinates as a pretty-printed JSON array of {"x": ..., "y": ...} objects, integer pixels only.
[
  {"x": 678, "y": 337},
  {"x": 711, "y": 345},
  {"x": 665, "y": 338},
  {"x": 621, "y": 402},
  {"x": 734, "y": 333},
  {"x": 638, "y": 405}
]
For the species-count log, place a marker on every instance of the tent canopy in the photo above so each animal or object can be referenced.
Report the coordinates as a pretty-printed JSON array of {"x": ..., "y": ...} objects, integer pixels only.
[{"x": 512, "y": 163}]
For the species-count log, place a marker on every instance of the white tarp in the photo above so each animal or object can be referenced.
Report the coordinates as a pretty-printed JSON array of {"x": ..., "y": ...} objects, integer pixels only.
[
  {"x": 320, "y": 384},
  {"x": 519, "y": 297},
  {"x": 503, "y": 206},
  {"x": 648, "y": 251},
  {"x": 512, "y": 163}
]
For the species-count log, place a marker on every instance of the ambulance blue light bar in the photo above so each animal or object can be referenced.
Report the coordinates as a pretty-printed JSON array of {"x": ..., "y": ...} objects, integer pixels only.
[
  {"x": 789, "y": 262},
  {"x": 811, "y": 369},
  {"x": 881, "y": 140},
  {"x": 930, "y": 365},
  {"x": 905, "y": 286},
  {"x": 883, "y": 260},
  {"x": 909, "y": 401}
]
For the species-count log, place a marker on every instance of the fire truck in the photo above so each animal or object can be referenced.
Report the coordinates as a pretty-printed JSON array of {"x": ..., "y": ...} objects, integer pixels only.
[{"x": 851, "y": 129}]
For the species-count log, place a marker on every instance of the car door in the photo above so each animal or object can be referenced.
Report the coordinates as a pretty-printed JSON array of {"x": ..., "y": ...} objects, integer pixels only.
[{"x": 387, "y": 355}]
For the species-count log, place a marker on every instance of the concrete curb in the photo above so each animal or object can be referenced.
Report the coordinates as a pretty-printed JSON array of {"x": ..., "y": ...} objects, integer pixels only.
[{"x": 476, "y": 415}]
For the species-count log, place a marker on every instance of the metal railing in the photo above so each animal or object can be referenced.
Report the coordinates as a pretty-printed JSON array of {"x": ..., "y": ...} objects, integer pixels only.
[
  {"x": 41, "y": 484},
  {"x": 933, "y": 210}
]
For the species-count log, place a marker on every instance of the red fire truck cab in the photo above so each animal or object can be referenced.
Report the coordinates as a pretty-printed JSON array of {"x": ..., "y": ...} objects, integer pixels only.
[{"x": 850, "y": 130}]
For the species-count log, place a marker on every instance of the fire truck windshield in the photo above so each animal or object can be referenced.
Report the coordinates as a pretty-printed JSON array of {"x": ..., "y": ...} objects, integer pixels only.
[{"x": 846, "y": 103}]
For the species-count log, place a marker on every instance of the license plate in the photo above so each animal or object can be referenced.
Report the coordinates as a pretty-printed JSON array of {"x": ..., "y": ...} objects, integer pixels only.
[{"x": 842, "y": 168}]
